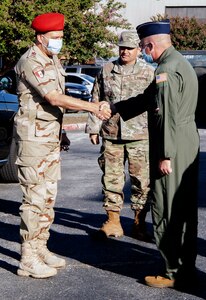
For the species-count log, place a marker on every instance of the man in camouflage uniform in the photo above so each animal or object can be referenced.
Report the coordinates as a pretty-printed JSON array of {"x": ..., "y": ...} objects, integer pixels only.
[
  {"x": 38, "y": 125},
  {"x": 119, "y": 80}
]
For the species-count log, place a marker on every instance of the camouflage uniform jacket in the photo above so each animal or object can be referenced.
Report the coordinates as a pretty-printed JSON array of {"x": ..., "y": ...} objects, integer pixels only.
[
  {"x": 113, "y": 85},
  {"x": 37, "y": 75}
]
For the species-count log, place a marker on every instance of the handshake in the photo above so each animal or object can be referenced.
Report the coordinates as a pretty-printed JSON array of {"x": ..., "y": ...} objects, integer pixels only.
[{"x": 104, "y": 111}]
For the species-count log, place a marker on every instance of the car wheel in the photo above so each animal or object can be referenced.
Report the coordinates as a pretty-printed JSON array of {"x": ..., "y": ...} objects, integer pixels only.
[{"x": 8, "y": 172}]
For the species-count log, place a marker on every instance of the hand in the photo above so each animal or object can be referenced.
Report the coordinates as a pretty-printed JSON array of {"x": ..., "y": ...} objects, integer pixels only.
[
  {"x": 109, "y": 106},
  {"x": 65, "y": 142},
  {"x": 104, "y": 105},
  {"x": 94, "y": 138},
  {"x": 104, "y": 112},
  {"x": 165, "y": 166}
]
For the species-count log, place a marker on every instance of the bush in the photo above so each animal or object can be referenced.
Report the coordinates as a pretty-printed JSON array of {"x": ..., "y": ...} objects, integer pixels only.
[{"x": 186, "y": 33}]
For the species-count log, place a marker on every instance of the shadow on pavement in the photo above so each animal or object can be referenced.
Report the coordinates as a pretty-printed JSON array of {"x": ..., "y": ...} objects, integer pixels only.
[{"x": 125, "y": 256}]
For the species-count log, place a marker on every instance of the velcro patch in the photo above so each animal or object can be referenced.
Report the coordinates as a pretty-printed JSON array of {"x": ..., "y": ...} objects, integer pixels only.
[
  {"x": 39, "y": 72},
  {"x": 161, "y": 77}
]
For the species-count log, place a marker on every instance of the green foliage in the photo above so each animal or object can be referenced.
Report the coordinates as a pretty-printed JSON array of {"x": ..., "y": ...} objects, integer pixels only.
[
  {"x": 186, "y": 33},
  {"x": 88, "y": 27},
  {"x": 90, "y": 34},
  {"x": 158, "y": 17}
]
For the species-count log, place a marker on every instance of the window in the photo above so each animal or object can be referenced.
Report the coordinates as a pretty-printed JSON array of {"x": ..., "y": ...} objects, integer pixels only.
[
  {"x": 72, "y": 70},
  {"x": 74, "y": 79},
  {"x": 91, "y": 71},
  {"x": 199, "y": 12}
]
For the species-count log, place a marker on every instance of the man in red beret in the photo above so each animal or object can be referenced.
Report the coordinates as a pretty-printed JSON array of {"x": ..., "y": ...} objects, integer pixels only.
[{"x": 38, "y": 127}]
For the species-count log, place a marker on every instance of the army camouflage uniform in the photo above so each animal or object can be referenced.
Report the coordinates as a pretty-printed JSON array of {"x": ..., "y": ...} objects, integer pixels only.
[
  {"x": 121, "y": 140},
  {"x": 38, "y": 126}
]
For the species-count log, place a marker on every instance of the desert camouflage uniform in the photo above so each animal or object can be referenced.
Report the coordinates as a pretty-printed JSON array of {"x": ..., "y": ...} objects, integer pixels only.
[
  {"x": 38, "y": 126},
  {"x": 122, "y": 140}
]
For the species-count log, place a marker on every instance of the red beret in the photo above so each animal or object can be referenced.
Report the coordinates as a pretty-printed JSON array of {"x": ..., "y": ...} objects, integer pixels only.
[{"x": 48, "y": 22}]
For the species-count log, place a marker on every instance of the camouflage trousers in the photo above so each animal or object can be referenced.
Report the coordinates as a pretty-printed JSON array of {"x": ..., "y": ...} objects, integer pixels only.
[
  {"x": 112, "y": 162},
  {"x": 38, "y": 171}
]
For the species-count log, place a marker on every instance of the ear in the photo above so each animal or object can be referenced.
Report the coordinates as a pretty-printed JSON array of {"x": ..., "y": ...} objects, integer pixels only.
[
  {"x": 138, "y": 51},
  {"x": 151, "y": 46},
  {"x": 39, "y": 38}
]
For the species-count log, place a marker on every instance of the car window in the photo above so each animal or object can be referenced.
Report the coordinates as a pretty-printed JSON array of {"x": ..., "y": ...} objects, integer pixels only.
[
  {"x": 5, "y": 83},
  {"x": 72, "y": 70},
  {"x": 91, "y": 71},
  {"x": 75, "y": 79},
  {"x": 88, "y": 77}
]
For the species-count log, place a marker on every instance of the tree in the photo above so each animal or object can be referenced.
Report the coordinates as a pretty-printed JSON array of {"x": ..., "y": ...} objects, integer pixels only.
[
  {"x": 186, "y": 33},
  {"x": 88, "y": 30}
]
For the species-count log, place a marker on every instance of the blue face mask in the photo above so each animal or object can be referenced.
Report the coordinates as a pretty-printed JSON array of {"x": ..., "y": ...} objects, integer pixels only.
[
  {"x": 147, "y": 57},
  {"x": 54, "y": 46}
]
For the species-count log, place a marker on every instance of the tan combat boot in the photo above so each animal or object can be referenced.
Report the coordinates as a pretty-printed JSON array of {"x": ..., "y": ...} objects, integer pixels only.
[
  {"x": 159, "y": 282},
  {"x": 31, "y": 264},
  {"x": 112, "y": 227},
  {"x": 48, "y": 257},
  {"x": 139, "y": 230}
]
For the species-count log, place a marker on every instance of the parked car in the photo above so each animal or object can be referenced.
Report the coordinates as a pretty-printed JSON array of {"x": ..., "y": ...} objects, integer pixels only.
[
  {"x": 91, "y": 70},
  {"x": 84, "y": 79},
  {"x": 197, "y": 58},
  {"x": 8, "y": 108},
  {"x": 77, "y": 91}
]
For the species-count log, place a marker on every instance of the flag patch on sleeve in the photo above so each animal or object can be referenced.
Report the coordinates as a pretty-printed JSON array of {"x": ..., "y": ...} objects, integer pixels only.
[
  {"x": 39, "y": 72},
  {"x": 161, "y": 77}
]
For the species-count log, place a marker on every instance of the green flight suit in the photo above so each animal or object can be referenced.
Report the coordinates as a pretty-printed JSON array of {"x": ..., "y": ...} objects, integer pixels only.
[{"x": 173, "y": 134}]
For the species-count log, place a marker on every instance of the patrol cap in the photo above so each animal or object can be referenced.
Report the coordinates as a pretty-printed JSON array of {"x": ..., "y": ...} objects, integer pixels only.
[
  {"x": 129, "y": 39},
  {"x": 152, "y": 28},
  {"x": 48, "y": 22}
]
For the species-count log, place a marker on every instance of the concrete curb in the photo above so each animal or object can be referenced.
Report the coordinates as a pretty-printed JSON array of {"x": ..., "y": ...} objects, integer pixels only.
[{"x": 77, "y": 126}]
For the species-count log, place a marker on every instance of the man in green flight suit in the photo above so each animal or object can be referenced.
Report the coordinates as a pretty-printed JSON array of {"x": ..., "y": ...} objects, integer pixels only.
[{"x": 174, "y": 147}]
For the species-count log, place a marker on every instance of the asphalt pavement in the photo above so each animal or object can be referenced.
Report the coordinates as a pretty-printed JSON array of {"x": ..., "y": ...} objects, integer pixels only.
[{"x": 96, "y": 269}]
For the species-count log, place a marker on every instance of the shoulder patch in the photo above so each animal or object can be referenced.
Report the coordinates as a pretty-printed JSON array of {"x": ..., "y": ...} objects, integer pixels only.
[
  {"x": 161, "y": 77},
  {"x": 39, "y": 72}
]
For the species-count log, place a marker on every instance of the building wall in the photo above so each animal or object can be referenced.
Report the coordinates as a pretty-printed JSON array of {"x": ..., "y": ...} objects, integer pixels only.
[{"x": 139, "y": 11}]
